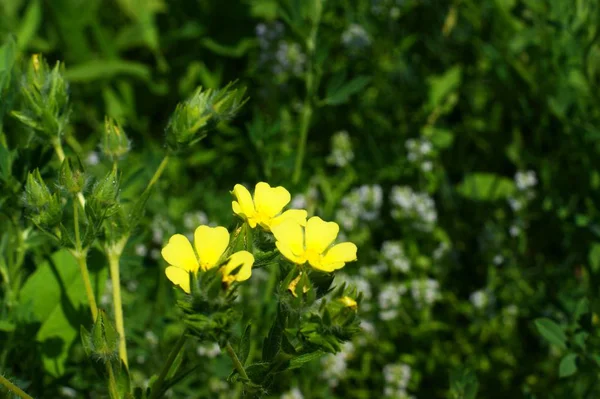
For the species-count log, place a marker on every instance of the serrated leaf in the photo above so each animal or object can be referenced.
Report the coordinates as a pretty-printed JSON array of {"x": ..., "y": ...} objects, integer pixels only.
[
  {"x": 568, "y": 365},
  {"x": 299, "y": 361},
  {"x": 551, "y": 331}
]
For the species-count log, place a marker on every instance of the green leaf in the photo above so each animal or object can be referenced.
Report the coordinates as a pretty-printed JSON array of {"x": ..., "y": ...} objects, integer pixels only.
[
  {"x": 463, "y": 384},
  {"x": 339, "y": 93},
  {"x": 237, "y": 51},
  {"x": 298, "y": 361},
  {"x": 29, "y": 24},
  {"x": 442, "y": 85},
  {"x": 440, "y": 138},
  {"x": 594, "y": 258},
  {"x": 551, "y": 331},
  {"x": 244, "y": 347},
  {"x": 56, "y": 296},
  {"x": 272, "y": 343},
  {"x": 486, "y": 187},
  {"x": 568, "y": 365},
  {"x": 7, "y": 326},
  {"x": 106, "y": 69}
]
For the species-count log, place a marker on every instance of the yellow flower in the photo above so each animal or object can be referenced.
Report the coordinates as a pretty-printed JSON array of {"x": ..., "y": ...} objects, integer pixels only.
[
  {"x": 266, "y": 207},
  {"x": 349, "y": 302},
  {"x": 312, "y": 244},
  {"x": 210, "y": 244}
]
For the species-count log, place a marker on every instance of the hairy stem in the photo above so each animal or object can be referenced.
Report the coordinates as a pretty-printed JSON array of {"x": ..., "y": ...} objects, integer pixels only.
[
  {"x": 113, "y": 261},
  {"x": 13, "y": 388},
  {"x": 156, "y": 388},
  {"x": 158, "y": 172},
  {"x": 81, "y": 257},
  {"x": 236, "y": 361}
]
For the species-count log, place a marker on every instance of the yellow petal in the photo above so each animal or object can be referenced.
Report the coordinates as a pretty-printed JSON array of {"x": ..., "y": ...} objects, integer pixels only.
[
  {"x": 337, "y": 256},
  {"x": 270, "y": 200},
  {"x": 349, "y": 302},
  {"x": 179, "y": 277},
  {"x": 290, "y": 240},
  {"x": 242, "y": 261},
  {"x": 298, "y": 215},
  {"x": 320, "y": 234},
  {"x": 210, "y": 244},
  {"x": 244, "y": 206},
  {"x": 178, "y": 252}
]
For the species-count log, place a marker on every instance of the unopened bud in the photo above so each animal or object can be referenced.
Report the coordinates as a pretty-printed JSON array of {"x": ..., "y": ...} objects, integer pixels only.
[
  {"x": 72, "y": 177},
  {"x": 115, "y": 143},
  {"x": 104, "y": 338}
]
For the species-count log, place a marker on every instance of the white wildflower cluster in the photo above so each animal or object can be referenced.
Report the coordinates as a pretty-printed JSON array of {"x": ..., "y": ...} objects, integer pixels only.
[
  {"x": 161, "y": 228},
  {"x": 480, "y": 299},
  {"x": 441, "y": 250},
  {"x": 334, "y": 366},
  {"x": 394, "y": 255},
  {"x": 67, "y": 392},
  {"x": 525, "y": 182},
  {"x": 341, "y": 149},
  {"x": 293, "y": 393},
  {"x": 92, "y": 158},
  {"x": 217, "y": 385},
  {"x": 425, "y": 292},
  {"x": 282, "y": 57},
  {"x": 419, "y": 207},
  {"x": 305, "y": 201},
  {"x": 420, "y": 152},
  {"x": 211, "y": 350},
  {"x": 355, "y": 38},
  {"x": 374, "y": 271},
  {"x": 389, "y": 300},
  {"x": 106, "y": 298},
  {"x": 151, "y": 338},
  {"x": 397, "y": 377},
  {"x": 361, "y": 204},
  {"x": 387, "y": 8},
  {"x": 191, "y": 220}
]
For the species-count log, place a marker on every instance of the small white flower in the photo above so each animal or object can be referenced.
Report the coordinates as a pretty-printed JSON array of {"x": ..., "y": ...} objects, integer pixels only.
[
  {"x": 67, "y": 392},
  {"x": 132, "y": 285},
  {"x": 525, "y": 180},
  {"x": 498, "y": 259},
  {"x": 151, "y": 338},
  {"x": 514, "y": 230},
  {"x": 427, "y": 166},
  {"x": 293, "y": 393},
  {"x": 479, "y": 299},
  {"x": 93, "y": 158},
  {"x": 141, "y": 250},
  {"x": 211, "y": 350}
]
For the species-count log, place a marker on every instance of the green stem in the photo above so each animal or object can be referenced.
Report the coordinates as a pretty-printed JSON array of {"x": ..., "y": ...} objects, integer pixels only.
[
  {"x": 156, "y": 388},
  {"x": 236, "y": 361},
  {"x": 158, "y": 172},
  {"x": 85, "y": 274},
  {"x": 81, "y": 255},
  {"x": 58, "y": 149},
  {"x": 13, "y": 388},
  {"x": 112, "y": 382},
  {"x": 310, "y": 89},
  {"x": 113, "y": 261}
]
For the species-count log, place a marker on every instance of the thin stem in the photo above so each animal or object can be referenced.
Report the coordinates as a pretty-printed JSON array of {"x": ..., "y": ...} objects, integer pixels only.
[
  {"x": 156, "y": 388},
  {"x": 58, "y": 149},
  {"x": 13, "y": 388},
  {"x": 76, "y": 226},
  {"x": 112, "y": 383},
  {"x": 113, "y": 261},
  {"x": 236, "y": 361},
  {"x": 158, "y": 172},
  {"x": 310, "y": 89},
  {"x": 85, "y": 274}
]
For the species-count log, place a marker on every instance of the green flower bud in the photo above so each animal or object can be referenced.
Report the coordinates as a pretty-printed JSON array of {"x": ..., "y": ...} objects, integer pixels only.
[
  {"x": 104, "y": 338},
  {"x": 115, "y": 143},
  {"x": 193, "y": 118},
  {"x": 72, "y": 177},
  {"x": 37, "y": 193},
  {"x": 45, "y": 91},
  {"x": 45, "y": 208}
]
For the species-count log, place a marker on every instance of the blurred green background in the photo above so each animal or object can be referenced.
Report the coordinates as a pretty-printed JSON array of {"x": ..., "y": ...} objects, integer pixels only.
[{"x": 456, "y": 142}]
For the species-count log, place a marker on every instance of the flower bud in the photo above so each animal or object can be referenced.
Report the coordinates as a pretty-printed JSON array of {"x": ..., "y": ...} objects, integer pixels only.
[
  {"x": 115, "y": 143},
  {"x": 37, "y": 193},
  {"x": 104, "y": 338},
  {"x": 193, "y": 118},
  {"x": 72, "y": 177},
  {"x": 45, "y": 93},
  {"x": 45, "y": 208}
]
